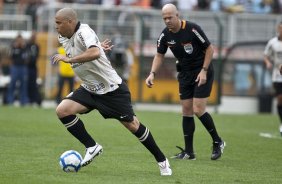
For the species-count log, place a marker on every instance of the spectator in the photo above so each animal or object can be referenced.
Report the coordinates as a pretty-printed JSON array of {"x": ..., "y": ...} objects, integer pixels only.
[
  {"x": 31, "y": 10},
  {"x": 276, "y": 6},
  {"x": 187, "y": 4},
  {"x": 88, "y": 1},
  {"x": 33, "y": 54},
  {"x": 18, "y": 71},
  {"x": 156, "y": 4},
  {"x": 203, "y": 4}
]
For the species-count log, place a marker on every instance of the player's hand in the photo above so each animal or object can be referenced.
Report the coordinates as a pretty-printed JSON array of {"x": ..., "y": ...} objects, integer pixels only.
[
  {"x": 280, "y": 69},
  {"x": 201, "y": 78},
  {"x": 107, "y": 45},
  {"x": 149, "y": 80},
  {"x": 57, "y": 58}
]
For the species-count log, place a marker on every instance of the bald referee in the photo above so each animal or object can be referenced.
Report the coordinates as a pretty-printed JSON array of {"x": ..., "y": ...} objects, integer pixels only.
[
  {"x": 101, "y": 89},
  {"x": 193, "y": 52}
]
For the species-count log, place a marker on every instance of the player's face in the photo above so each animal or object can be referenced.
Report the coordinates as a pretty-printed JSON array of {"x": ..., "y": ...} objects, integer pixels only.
[
  {"x": 170, "y": 20},
  {"x": 63, "y": 26}
]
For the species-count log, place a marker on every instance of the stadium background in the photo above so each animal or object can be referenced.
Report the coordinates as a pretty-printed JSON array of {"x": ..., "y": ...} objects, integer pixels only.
[{"x": 140, "y": 28}]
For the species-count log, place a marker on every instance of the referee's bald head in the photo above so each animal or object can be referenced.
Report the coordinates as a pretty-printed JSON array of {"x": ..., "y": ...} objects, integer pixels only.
[{"x": 170, "y": 8}]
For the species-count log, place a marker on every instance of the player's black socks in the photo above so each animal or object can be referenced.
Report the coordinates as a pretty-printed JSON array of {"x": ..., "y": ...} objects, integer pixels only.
[
  {"x": 208, "y": 123},
  {"x": 279, "y": 110},
  {"x": 76, "y": 127},
  {"x": 188, "y": 125},
  {"x": 145, "y": 137}
]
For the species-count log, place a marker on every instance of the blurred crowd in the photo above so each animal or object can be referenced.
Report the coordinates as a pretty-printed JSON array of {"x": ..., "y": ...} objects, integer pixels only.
[
  {"x": 233, "y": 6},
  {"x": 32, "y": 7}
]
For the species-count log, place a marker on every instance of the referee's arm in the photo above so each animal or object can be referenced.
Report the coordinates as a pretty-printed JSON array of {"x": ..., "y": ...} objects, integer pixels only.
[{"x": 157, "y": 62}]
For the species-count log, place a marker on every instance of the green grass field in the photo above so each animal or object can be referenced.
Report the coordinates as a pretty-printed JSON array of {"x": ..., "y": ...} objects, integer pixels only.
[{"x": 31, "y": 141}]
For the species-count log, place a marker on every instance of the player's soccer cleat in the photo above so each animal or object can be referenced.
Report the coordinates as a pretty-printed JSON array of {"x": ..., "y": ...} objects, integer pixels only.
[
  {"x": 91, "y": 153},
  {"x": 217, "y": 150},
  {"x": 184, "y": 155},
  {"x": 165, "y": 168},
  {"x": 280, "y": 129}
]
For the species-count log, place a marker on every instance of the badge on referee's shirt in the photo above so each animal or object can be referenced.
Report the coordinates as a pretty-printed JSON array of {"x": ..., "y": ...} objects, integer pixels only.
[{"x": 188, "y": 48}]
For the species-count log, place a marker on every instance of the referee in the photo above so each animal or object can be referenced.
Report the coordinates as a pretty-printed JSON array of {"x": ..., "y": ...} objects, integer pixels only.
[
  {"x": 194, "y": 53},
  {"x": 101, "y": 89}
]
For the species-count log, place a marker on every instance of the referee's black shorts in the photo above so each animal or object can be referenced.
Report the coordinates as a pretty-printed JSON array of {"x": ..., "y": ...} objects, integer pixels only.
[
  {"x": 188, "y": 88},
  {"x": 115, "y": 104}
]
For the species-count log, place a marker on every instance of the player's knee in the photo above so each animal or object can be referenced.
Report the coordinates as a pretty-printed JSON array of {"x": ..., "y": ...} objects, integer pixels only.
[
  {"x": 132, "y": 126},
  {"x": 62, "y": 111}
]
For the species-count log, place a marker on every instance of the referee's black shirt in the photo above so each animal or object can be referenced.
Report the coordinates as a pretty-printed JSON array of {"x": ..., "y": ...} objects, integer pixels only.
[{"x": 188, "y": 45}]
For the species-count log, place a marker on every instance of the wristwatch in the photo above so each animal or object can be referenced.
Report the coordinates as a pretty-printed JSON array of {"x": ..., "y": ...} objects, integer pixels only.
[{"x": 205, "y": 68}]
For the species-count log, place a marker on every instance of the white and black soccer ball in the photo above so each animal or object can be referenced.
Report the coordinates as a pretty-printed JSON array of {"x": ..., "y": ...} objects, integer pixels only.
[{"x": 70, "y": 161}]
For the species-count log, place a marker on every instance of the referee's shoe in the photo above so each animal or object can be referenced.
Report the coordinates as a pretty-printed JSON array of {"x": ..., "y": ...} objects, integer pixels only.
[
  {"x": 91, "y": 153},
  {"x": 184, "y": 155},
  {"x": 217, "y": 149}
]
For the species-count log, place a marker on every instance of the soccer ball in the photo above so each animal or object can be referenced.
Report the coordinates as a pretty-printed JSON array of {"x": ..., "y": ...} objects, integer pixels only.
[{"x": 70, "y": 161}]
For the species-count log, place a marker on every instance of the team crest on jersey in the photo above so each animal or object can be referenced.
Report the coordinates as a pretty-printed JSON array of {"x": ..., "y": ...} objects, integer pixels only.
[{"x": 188, "y": 48}]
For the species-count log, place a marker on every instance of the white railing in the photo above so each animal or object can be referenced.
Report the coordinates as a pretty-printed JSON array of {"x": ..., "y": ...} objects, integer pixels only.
[{"x": 15, "y": 22}]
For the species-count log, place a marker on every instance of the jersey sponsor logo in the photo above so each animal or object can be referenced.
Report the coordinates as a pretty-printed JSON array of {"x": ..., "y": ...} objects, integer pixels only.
[
  {"x": 198, "y": 35},
  {"x": 95, "y": 87},
  {"x": 82, "y": 39},
  {"x": 74, "y": 65},
  {"x": 160, "y": 38},
  {"x": 188, "y": 48},
  {"x": 172, "y": 42}
]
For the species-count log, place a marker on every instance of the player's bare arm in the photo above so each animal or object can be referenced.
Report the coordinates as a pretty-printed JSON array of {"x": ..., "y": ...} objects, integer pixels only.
[
  {"x": 89, "y": 55},
  {"x": 202, "y": 77},
  {"x": 157, "y": 62},
  {"x": 267, "y": 62}
]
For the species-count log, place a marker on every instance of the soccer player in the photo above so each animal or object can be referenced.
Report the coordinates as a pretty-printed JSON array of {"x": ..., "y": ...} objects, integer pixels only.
[
  {"x": 194, "y": 52},
  {"x": 272, "y": 59},
  {"x": 101, "y": 89}
]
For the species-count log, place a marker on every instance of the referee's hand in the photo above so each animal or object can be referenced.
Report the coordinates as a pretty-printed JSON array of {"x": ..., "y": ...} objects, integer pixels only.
[{"x": 149, "y": 80}]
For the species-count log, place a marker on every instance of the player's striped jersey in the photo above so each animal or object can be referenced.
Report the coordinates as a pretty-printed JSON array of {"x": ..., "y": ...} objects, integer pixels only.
[
  {"x": 273, "y": 50},
  {"x": 97, "y": 76}
]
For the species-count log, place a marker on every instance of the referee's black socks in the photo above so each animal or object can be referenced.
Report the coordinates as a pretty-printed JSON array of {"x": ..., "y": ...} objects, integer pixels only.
[
  {"x": 188, "y": 125},
  {"x": 145, "y": 137},
  {"x": 76, "y": 127},
  {"x": 208, "y": 123}
]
